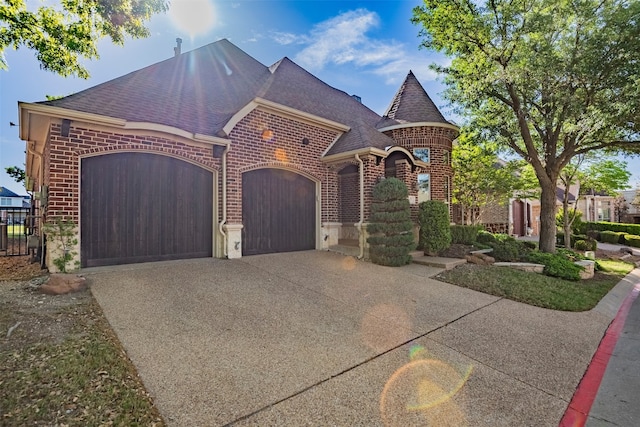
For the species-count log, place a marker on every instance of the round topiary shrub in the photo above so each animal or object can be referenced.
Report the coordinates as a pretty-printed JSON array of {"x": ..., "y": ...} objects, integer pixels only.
[
  {"x": 435, "y": 233},
  {"x": 580, "y": 245},
  {"x": 391, "y": 238}
]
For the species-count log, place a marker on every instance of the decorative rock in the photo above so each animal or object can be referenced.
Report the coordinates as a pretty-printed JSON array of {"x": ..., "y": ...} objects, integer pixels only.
[
  {"x": 590, "y": 254},
  {"x": 589, "y": 269},
  {"x": 475, "y": 259},
  {"x": 60, "y": 284},
  {"x": 625, "y": 256},
  {"x": 626, "y": 250},
  {"x": 486, "y": 258},
  {"x": 524, "y": 266}
]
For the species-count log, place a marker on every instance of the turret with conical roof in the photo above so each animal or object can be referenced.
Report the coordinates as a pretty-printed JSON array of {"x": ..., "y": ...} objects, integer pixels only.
[
  {"x": 412, "y": 104},
  {"x": 423, "y": 138}
]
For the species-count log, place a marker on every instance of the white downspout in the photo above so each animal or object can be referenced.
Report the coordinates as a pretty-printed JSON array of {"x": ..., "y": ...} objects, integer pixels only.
[
  {"x": 359, "y": 224},
  {"x": 224, "y": 202}
]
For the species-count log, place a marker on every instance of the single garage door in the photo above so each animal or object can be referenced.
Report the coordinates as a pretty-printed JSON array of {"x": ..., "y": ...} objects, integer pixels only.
[
  {"x": 278, "y": 212},
  {"x": 140, "y": 207}
]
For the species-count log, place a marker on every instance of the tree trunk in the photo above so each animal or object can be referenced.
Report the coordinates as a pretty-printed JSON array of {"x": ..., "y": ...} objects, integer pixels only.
[
  {"x": 548, "y": 218},
  {"x": 566, "y": 218}
]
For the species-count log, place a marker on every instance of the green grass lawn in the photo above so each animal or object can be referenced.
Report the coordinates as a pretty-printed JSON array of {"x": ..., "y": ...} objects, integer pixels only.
[
  {"x": 15, "y": 230},
  {"x": 537, "y": 289}
]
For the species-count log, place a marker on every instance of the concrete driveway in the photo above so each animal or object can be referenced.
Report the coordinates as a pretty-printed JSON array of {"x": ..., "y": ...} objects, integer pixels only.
[{"x": 316, "y": 338}]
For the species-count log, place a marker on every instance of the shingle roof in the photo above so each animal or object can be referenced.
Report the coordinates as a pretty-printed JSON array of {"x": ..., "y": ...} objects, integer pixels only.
[
  {"x": 411, "y": 104},
  {"x": 197, "y": 91},
  {"x": 293, "y": 86},
  {"x": 200, "y": 90}
]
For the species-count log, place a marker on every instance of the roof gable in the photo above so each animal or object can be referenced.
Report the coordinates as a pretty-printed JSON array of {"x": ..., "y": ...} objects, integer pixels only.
[
  {"x": 411, "y": 104},
  {"x": 5, "y": 192}
]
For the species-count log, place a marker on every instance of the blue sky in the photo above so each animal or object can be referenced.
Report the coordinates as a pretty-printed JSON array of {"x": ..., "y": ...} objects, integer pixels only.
[{"x": 362, "y": 47}]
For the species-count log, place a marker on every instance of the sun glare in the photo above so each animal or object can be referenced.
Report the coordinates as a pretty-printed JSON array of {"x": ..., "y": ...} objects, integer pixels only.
[{"x": 193, "y": 17}]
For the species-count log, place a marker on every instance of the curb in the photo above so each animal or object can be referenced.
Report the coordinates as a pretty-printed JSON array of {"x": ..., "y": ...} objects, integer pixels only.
[{"x": 578, "y": 410}]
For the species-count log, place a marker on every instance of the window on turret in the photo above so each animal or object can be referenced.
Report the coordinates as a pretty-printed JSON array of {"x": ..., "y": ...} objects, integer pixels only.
[
  {"x": 424, "y": 187},
  {"x": 446, "y": 158},
  {"x": 422, "y": 154}
]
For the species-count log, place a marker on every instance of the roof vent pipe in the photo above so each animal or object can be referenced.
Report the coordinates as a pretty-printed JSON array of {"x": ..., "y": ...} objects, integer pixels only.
[{"x": 178, "y": 49}]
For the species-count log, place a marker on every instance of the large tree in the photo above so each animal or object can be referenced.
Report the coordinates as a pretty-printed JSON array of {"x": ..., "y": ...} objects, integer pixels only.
[
  {"x": 62, "y": 33},
  {"x": 549, "y": 79}
]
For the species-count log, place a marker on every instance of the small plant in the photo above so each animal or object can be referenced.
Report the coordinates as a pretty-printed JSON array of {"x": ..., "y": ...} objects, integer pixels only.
[
  {"x": 435, "y": 233},
  {"x": 63, "y": 232},
  {"x": 556, "y": 265},
  {"x": 485, "y": 237},
  {"x": 464, "y": 234},
  {"x": 391, "y": 228}
]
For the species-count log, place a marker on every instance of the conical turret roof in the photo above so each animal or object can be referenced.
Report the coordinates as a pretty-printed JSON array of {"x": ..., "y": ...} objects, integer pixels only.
[{"x": 411, "y": 104}]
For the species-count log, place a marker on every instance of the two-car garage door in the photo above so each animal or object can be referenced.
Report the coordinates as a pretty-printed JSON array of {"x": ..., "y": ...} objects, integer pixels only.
[{"x": 139, "y": 207}]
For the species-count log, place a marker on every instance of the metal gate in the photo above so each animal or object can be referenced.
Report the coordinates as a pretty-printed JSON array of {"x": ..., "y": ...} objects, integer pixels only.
[{"x": 18, "y": 228}]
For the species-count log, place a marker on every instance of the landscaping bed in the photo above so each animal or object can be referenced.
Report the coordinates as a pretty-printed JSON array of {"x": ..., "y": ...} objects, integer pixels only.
[{"x": 60, "y": 362}]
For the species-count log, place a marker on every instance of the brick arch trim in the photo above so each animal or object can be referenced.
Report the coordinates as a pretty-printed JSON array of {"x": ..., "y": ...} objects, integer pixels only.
[
  {"x": 169, "y": 152},
  {"x": 403, "y": 150},
  {"x": 279, "y": 165}
]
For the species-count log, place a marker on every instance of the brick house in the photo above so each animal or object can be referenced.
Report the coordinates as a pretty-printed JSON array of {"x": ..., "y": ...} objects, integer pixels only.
[{"x": 213, "y": 154}]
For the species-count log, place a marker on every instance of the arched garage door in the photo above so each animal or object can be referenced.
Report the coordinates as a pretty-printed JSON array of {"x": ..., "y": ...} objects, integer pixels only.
[
  {"x": 278, "y": 212},
  {"x": 140, "y": 207}
]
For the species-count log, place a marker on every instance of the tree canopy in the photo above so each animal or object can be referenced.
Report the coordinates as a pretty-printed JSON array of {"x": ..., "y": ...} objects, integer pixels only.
[
  {"x": 63, "y": 33},
  {"x": 481, "y": 178},
  {"x": 549, "y": 79}
]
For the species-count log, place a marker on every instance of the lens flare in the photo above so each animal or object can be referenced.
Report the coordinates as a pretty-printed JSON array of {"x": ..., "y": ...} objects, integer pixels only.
[
  {"x": 376, "y": 331},
  {"x": 281, "y": 155},
  {"x": 423, "y": 390}
]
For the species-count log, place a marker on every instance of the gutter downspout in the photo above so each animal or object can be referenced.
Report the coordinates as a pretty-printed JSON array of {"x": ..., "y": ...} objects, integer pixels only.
[
  {"x": 224, "y": 203},
  {"x": 359, "y": 224}
]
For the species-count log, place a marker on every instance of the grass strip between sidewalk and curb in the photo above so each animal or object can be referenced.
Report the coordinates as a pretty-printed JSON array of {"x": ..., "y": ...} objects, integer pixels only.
[{"x": 537, "y": 289}]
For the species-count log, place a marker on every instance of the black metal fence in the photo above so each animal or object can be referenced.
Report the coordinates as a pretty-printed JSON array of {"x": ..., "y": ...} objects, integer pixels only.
[{"x": 18, "y": 231}]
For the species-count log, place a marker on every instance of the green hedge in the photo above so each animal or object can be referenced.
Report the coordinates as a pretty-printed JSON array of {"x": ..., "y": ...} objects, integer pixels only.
[
  {"x": 464, "y": 234},
  {"x": 633, "y": 240},
  {"x": 612, "y": 237},
  {"x": 435, "y": 233},
  {"x": 611, "y": 226}
]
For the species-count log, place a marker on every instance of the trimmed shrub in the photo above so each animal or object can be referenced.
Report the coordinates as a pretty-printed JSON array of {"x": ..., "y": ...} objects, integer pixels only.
[
  {"x": 509, "y": 250},
  {"x": 391, "y": 238},
  {"x": 556, "y": 265},
  {"x": 580, "y": 245},
  {"x": 485, "y": 237},
  {"x": 609, "y": 236},
  {"x": 464, "y": 234},
  {"x": 612, "y": 226},
  {"x": 593, "y": 234},
  {"x": 435, "y": 233},
  {"x": 633, "y": 240}
]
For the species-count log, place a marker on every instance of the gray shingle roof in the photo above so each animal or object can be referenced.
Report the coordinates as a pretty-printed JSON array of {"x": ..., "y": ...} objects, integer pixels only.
[
  {"x": 200, "y": 90},
  {"x": 5, "y": 192},
  {"x": 197, "y": 91},
  {"x": 412, "y": 105}
]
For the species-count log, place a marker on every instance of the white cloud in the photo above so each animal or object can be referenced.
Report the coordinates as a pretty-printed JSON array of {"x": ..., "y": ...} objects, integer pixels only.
[
  {"x": 345, "y": 39},
  {"x": 287, "y": 38}
]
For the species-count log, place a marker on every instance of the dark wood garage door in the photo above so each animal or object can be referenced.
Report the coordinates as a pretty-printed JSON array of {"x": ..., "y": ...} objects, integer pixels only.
[
  {"x": 278, "y": 212},
  {"x": 139, "y": 207}
]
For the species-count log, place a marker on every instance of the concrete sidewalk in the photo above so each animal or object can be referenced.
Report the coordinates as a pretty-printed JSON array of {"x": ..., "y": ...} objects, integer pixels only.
[{"x": 316, "y": 338}]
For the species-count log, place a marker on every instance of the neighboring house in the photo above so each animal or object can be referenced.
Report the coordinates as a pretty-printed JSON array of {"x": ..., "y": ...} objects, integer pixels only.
[
  {"x": 13, "y": 207},
  {"x": 597, "y": 206},
  {"x": 632, "y": 216},
  {"x": 211, "y": 153}
]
